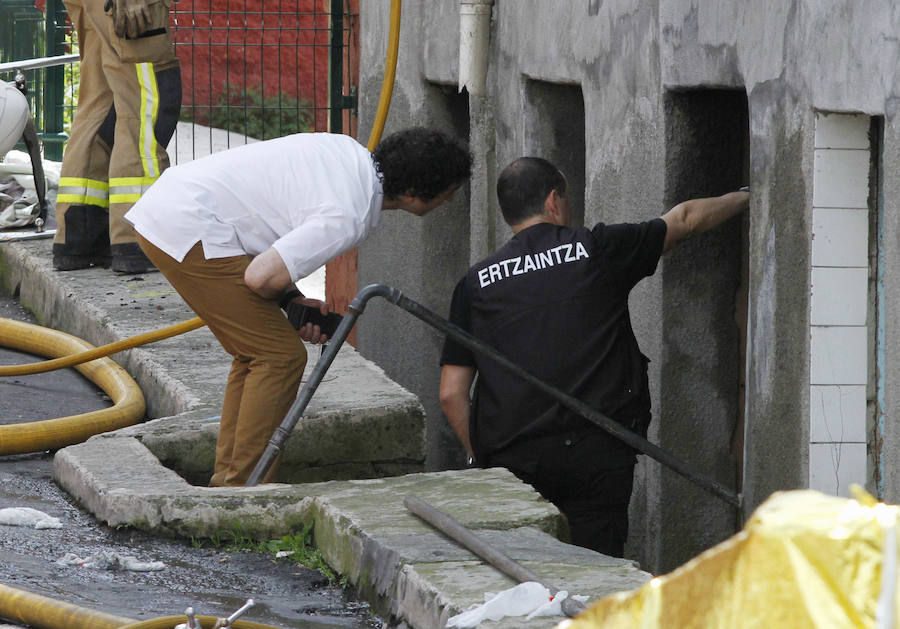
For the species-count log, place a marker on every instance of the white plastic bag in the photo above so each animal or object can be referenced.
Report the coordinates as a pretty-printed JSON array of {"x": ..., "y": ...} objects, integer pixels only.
[
  {"x": 19, "y": 204},
  {"x": 520, "y": 600},
  {"x": 553, "y": 607},
  {"x": 26, "y": 516}
]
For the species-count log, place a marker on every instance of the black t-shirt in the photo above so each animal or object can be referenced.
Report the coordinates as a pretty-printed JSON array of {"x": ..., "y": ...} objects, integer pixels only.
[{"x": 555, "y": 301}]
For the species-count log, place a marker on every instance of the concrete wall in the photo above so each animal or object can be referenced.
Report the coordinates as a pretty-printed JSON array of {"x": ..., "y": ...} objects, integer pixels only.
[{"x": 666, "y": 100}]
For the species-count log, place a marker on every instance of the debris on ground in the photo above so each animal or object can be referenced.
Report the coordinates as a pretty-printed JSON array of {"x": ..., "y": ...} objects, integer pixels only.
[
  {"x": 529, "y": 599},
  {"x": 106, "y": 560},
  {"x": 26, "y": 516}
]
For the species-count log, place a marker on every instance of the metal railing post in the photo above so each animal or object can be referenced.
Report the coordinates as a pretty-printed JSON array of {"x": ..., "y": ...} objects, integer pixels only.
[
  {"x": 53, "y": 137},
  {"x": 336, "y": 68}
]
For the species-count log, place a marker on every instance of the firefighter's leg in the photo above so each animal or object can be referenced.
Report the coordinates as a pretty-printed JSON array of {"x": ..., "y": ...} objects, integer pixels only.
[
  {"x": 82, "y": 237},
  {"x": 145, "y": 80},
  {"x": 139, "y": 154}
]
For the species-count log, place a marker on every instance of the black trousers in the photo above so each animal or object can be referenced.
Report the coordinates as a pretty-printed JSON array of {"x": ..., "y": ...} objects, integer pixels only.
[{"x": 590, "y": 489}]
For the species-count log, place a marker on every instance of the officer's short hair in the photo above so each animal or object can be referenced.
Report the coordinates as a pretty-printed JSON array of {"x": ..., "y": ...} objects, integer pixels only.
[
  {"x": 421, "y": 162},
  {"x": 523, "y": 186}
]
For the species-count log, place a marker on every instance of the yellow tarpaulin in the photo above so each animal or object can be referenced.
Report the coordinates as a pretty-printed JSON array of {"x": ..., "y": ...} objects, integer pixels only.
[{"x": 804, "y": 559}]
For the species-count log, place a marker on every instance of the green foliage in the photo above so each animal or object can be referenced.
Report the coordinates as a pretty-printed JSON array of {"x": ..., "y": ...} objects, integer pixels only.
[
  {"x": 300, "y": 546},
  {"x": 305, "y": 553},
  {"x": 250, "y": 113}
]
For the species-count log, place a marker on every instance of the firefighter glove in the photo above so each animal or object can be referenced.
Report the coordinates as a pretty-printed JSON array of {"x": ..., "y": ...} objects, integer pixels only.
[{"x": 136, "y": 18}]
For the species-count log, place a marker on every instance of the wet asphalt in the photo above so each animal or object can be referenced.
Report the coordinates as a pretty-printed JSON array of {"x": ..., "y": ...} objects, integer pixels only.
[{"x": 213, "y": 579}]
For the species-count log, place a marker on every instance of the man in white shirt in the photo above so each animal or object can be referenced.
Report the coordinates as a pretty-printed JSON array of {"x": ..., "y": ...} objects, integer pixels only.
[{"x": 234, "y": 231}]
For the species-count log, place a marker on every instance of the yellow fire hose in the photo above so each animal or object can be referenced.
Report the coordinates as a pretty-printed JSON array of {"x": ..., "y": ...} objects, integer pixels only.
[
  {"x": 390, "y": 72},
  {"x": 22, "y": 336},
  {"x": 43, "y": 612},
  {"x": 46, "y": 613},
  {"x": 128, "y": 401}
]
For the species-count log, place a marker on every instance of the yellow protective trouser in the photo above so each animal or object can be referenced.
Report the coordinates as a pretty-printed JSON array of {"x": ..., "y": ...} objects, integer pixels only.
[{"x": 129, "y": 100}]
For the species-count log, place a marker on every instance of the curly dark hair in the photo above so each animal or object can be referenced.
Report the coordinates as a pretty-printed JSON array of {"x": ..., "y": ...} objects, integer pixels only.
[{"x": 421, "y": 162}]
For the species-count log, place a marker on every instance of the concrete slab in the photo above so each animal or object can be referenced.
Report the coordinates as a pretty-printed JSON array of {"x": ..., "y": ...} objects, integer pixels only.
[
  {"x": 407, "y": 570},
  {"x": 371, "y": 428},
  {"x": 142, "y": 476}
]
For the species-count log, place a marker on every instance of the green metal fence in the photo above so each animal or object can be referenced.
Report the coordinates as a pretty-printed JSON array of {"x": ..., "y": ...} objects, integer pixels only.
[{"x": 257, "y": 68}]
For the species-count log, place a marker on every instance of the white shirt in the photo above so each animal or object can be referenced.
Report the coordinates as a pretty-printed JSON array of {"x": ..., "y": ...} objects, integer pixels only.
[{"x": 311, "y": 196}]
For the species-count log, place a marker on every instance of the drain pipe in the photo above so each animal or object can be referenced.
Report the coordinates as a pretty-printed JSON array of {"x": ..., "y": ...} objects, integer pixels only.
[
  {"x": 474, "y": 52},
  {"x": 474, "y": 44}
]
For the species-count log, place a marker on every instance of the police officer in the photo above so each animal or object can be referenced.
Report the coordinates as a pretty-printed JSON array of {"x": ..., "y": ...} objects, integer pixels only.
[{"x": 555, "y": 300}]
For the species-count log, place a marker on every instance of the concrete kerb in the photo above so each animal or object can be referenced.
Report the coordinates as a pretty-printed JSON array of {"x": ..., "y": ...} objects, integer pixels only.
[
  {"x": 411, "y": 574},
  {"x": 370, "y": 428},
  {"x": 408, "y": 571}
]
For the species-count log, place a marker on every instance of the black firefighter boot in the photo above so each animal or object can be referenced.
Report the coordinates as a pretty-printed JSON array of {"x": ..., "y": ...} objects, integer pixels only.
[
  {"x": 129, "y": 259},
  {"x": 87, "y": 239}
]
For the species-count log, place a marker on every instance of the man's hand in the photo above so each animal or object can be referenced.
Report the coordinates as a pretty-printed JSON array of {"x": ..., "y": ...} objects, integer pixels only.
[
  {"x": 309, "y": 332},
  {"x": 132, "y": 18}
]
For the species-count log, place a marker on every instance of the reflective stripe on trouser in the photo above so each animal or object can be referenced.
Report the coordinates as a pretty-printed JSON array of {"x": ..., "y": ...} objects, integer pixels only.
[
  {"x": 83, "y": 191},
  {"x": 128, "y": 189},
  {"x": 129, "y": 101},
  {"x": 268, "y": 355}
]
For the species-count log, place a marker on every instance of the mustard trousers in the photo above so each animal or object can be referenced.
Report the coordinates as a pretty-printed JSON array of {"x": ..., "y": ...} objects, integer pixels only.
[
  {"x": 129, "y": 100},
  {"x": 268, "y": 356}
]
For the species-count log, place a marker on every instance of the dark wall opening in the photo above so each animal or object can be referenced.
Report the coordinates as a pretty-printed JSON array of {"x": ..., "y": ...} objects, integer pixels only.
[
  {"x": 423, "y": 257},
  {"x": 445, "y": 261},
  {"x": 554, "y": 130},
  {"x": 705, "y": 312}
]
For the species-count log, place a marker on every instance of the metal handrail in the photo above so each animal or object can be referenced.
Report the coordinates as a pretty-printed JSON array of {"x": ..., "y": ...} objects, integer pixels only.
[
  {"x": 394, "y": 296},
  {"x": 41, "y": 62}
]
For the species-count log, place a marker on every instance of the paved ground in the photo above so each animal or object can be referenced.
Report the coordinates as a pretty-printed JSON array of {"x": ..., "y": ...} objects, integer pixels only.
[{"x": 213, "y": 580}]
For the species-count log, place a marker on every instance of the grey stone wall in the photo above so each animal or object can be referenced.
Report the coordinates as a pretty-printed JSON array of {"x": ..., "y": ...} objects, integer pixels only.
[{"x": 645, "y": 104}]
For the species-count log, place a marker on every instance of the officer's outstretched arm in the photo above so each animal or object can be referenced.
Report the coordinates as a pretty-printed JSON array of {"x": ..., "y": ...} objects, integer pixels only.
[
  {"x": 699, "y": 215},
  {"x": 456, "y": 380}
]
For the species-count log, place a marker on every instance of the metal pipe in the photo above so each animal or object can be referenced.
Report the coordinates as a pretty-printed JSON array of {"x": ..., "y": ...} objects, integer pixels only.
[
  {"x": 501, "y": 561},
  {"x": 40, "y": 62},
  {"x": 474, "y": 44},
  {"x": 276, "y": 443},
  {"x": 611, "y": 426},
  {"x": 419, "y": 311}
]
